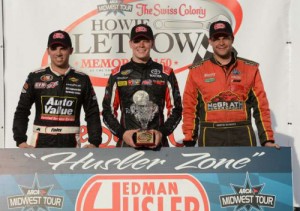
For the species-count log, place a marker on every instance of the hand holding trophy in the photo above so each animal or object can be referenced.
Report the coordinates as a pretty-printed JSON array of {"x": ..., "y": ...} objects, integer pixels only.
[{"x": 143, "y": 110}]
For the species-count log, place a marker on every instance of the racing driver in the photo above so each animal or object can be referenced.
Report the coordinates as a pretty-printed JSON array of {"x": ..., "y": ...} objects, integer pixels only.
[
  {"x": 142, "y": 88},
  {"x": 58, "y": 92},
  {"x": 220, "y": 95}
]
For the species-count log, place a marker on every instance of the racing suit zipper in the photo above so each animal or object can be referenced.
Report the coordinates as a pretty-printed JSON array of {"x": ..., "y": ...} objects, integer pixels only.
[{"x": 61, "y": 91}]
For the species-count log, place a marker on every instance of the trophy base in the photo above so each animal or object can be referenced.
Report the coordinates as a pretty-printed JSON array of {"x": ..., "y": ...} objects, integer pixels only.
[{"x": 144, "y": 138}]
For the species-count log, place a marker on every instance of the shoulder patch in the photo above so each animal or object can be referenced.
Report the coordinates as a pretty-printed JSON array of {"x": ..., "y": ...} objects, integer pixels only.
[
  {"x": 197, "y": 64},
  {"x": 79, "y": 72},
  {"x": 40, "y": 70},
  {"x": 115, "y": 71},
  {"x": 167, "y": 70},
  {"x": 249, "y": 62}
]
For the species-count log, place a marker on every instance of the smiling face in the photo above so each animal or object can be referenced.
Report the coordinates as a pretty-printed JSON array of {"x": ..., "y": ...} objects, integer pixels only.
[
  {"x": 222, "y": 47},
  {"x": 141, "y": 48},
  {"x": 59, "y": 56}
]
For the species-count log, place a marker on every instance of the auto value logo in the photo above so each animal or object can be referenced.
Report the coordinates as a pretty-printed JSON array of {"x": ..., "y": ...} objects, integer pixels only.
[
  {"x": 247, "y": 197},
  {"x": 35, "y": 198},
  {"x": 142, "y": 192}
]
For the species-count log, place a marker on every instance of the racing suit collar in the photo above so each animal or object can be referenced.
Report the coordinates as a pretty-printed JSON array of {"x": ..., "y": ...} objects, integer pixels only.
[
  {"x": 232, "y": 61},
  {"x": 142, "y": 66},
  {"x": 58, "y": 74}
]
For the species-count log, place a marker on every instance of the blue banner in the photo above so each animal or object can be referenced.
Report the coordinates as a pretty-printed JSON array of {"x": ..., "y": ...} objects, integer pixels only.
[{"x": 211, "y": 178}]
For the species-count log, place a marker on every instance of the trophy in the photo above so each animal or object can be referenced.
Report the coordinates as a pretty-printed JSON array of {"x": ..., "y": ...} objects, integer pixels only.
[{"x": 143, "y": 110}]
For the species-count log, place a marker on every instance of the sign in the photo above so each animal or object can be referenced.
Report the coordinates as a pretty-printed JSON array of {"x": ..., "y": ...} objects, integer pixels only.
[{"x": 211, "y": 178}]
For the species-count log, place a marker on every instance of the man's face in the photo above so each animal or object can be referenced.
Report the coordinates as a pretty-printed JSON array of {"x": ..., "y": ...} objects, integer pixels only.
[
  {"x": 141, "y": 49},
  {"x": 59, "y": 55},
  {"x": 222, "y": 45}
]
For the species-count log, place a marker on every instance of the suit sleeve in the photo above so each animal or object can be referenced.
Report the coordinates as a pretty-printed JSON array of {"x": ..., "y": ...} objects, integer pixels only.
[
  {"x": 190, "y": 104},
  {"x": 173, "y": 105},
  {"x": 92, "y": 115},
  {"x": 261, "y": 111},
  {"x": 20, "y": 122},
  {"x": 110, "y": 104}
]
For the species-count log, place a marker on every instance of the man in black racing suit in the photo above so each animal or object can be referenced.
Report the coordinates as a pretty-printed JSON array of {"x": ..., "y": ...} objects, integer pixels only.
[
  {"x": 58, "y": 92},
  {"x": 137, "y": 85}
]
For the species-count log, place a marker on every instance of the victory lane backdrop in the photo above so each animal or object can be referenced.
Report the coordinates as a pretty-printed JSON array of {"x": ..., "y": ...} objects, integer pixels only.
[{"x": 100, "y": 34}]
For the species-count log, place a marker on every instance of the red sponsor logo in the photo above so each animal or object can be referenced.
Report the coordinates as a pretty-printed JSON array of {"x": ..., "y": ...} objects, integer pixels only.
[
  {"x": 141, "y": 29},
  {"x": 142, "y": 192},
  {"x": 219, "y": 26},
  {"x": 58, "y": 35},
  {"x": 46, "y": 78}
]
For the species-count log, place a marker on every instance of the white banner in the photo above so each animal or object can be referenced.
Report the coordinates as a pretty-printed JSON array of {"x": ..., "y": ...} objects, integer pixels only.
[{"x": 100, "y": 34}]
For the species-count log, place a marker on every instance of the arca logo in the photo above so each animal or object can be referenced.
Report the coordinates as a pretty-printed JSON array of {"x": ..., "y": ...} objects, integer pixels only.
[{"x": 142, "y": 192}]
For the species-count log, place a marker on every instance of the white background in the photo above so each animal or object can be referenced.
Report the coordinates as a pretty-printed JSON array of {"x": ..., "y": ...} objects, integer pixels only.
[{"x": 269, "y": 34}]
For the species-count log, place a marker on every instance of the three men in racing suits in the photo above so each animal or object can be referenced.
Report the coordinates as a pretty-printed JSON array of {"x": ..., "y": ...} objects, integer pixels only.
[
  {"x": 58, "y": 92},
  {"x": 220, "y": 94},
  {"x": 139, "y": 84}
]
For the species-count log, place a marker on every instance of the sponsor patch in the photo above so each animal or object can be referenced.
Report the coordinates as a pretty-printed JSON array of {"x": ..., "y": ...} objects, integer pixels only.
[
  {"x": 25, "y": 86},
  {"x": 73, "y": 90},
  {"x": 40, "y": 85},
  {"x": 52, "y": 85},
  {"x": 155, "y": 73},
  {"x": 236, "y": 72},
  {"x": 134, "y": 82},
  {"x": 122, "y": 78},
  {"x": 44, "y": 85},
  {"x": 209, "y": 80},
  {"x": 122, "y": 83},
  {"x": 126, "y": 72},
  {"x": 225, "y": 101},
  {"x": 58, "y": 108},
  {"x": 46, "y": 77},
  {"x": 73, "y": 79},
  {"x": 159, "y": 82},
  {"x": 147, "y": 82},
  {"x": 209, "y": 75}
]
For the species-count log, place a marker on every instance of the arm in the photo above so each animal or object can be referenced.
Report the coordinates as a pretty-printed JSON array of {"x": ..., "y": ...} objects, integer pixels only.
[
  {"x": 110, "y": 104},
  {"x": 92, "y": 115},
  {"x": 173, "y": 105},
  {"x": 190, "y": 116},
  {"x": 20, "y": 122},
  {"x": 261, "y": 112}
]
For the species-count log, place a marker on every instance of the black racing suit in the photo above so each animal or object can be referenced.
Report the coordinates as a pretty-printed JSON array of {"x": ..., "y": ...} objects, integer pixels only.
[
  {"x": 133, "y": 86},
  {"x": 58, "y": 101}
]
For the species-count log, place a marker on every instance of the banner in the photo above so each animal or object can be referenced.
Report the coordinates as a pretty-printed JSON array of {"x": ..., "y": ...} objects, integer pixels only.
[
  {"x": 239, "y": 178},
  {"x": 100, "y": 33}
]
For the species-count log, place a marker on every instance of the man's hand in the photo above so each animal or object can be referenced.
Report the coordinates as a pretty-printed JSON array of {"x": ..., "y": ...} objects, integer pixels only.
[
  {"x": 271, "y": 144},
  {"x": 25, "y": 145},
  {"x": 158, "y": 137},
  {"x": 89, "y": 146},
  {"x": 127, "y": 137}
]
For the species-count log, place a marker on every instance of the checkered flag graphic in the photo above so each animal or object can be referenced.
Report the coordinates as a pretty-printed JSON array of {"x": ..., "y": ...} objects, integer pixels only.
[{"x": 203, "y": 53}]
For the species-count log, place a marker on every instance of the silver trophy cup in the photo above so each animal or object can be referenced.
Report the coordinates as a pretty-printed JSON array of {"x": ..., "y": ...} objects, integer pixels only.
[{"x": 144, "y": 111}]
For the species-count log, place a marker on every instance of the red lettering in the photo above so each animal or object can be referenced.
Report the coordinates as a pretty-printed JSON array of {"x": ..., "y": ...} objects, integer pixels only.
[
  {"x": 191, "y": 203},
  {"x": 87, "y": 198},
  {"x": 136, "y": 188},
  {"x": 160, "y": 203},
  {"x": 125, "y": 204},
  {"x": 125, "y": 188},
  {"x": 145, "y": 203},
  {"x": 174, "y": 201},
  {"x": 161, "y": 189},
  {"x": 136, "y": 203}
]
